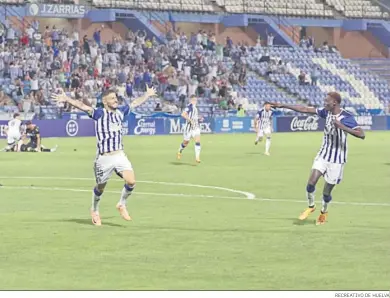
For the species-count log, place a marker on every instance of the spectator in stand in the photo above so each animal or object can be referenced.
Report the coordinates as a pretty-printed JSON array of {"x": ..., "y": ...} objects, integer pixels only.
[
  {"x": 302, "y": 78},
  {"x": 258, "y": 42},
  {"x": 158, "y": 107},
  {"x": 231, "y": 104},
  {"x": 325, "y": 47},
  {"x": 270, "y": 39},
  {"x": 304, "y": 43},
  {"x": 314, "y": 76},
  {"x": 97, "y": 36},
  {"x": 311, "y": 43},
  {"x": 229, "y": 42}
]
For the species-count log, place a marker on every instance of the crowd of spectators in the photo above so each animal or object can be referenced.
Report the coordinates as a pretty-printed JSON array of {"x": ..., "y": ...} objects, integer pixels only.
[{"x": 34, "y": 63}]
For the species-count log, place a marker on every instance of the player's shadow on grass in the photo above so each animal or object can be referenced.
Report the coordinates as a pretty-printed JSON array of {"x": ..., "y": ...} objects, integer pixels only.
[
  {"x": 254, "y": 153},
  {"x": 177, "y": 163},
  {"x": 85, "y": 221},
  {"x": 387, "y": 163},
  {"x": 298, "y": 222}
]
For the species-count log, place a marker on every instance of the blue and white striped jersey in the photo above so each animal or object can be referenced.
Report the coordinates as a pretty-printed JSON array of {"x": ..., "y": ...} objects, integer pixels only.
[
  {"x": 334, "y": 147},
  {"x": 264, "y": 118},
  {"x": 192, "y": 112},
  {"x": 108, "y": 128}
]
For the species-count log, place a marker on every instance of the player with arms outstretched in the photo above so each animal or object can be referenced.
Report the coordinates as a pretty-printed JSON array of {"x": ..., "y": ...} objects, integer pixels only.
[
  {"x": 191, "y": 128},
  {"x": 332, "y": 156},
  {"x": 263, "y": 126},
  {"x": 110, "y": 155}
]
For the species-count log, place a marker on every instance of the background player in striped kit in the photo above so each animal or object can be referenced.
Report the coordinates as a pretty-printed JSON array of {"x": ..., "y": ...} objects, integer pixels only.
[
  {"x": 191, "y": 128},
  {"x": 110, "y": 155},
  {"x": 332, "y": 156},
  {"x": 263, "y": 126}
]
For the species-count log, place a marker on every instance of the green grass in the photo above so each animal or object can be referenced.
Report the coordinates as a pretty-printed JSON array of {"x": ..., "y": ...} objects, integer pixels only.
[{"x": 193, "y": 242}]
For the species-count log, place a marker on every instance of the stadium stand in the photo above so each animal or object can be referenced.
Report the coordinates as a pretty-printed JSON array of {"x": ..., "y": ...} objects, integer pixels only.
[
  {"x": 283, "y": 74},
  {"x": 179, "y": 5},
  {"x": 359, "y": 88},
  {"x": 349, "y": 8},
  {"x": 280, "y": 7},
  {"x": 357, "y": 8}
]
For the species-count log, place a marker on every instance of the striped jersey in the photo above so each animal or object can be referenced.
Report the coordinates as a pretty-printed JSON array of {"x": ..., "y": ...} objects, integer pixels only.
[
  {"x": 334, "y": 146},
  {"x": 192, "y": 112},
  {"x": 264, "y": 118},
  {"x": 108, "y": 128}
]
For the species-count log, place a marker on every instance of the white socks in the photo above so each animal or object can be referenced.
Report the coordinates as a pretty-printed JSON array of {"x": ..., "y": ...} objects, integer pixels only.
[
  {"x": 267, "y": 145},
  {"x": 96, "y": 194},
  {"x": 197, "y": 150},
  {"x": 310, "y": 198},
  {"x": 126, "y": 192}
]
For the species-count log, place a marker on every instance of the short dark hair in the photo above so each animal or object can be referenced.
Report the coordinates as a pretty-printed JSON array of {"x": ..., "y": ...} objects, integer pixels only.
[
  {"x": 16, "y": 115},
  {"x": 107, "y": 92},
  {"x": 28, "y": 123},
  {"x": 336, "y": 96},
  {"x": 192, "y": 96}
]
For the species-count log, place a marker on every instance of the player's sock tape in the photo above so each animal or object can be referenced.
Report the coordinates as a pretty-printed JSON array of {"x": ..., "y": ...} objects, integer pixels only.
[
  {"x": 310, "y": 188},
  {"x": 327, "y": 198}
]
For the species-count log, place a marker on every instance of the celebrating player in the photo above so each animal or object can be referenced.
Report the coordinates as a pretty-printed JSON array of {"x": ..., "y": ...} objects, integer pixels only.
[
  {"x": 263, "y": 126},
  {"x": 332, "y": 156},
  {"x": 35, "y": 141},
  {"x": 13, "y": 132},
  {"x": 191, "y": 128},
  {"x": 110, "y": 154}
]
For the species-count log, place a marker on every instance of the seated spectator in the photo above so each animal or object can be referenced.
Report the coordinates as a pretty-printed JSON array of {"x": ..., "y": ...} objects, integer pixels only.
[
  {"x": 325, "y": 47},
  {"x": 158, "y": 108},
  {"x": 302, "y": 78},
  {"x": 231, "y": 104},
  {"x": 272, "y": 67}
]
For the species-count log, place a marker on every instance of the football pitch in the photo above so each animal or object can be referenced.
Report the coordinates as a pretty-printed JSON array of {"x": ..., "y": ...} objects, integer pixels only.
[{"x": 228, "y": 223}]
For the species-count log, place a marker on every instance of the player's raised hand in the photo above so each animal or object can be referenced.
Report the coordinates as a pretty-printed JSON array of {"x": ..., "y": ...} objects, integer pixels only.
[
  {"x": 150, "y": 91},
  {"x": 59, "y": 96}
]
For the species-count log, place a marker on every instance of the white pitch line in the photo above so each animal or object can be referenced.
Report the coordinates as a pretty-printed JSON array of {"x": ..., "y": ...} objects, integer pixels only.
[
  {"x": 118, "y": 192},
  {"x": 252, "y": 197},
  {"x": 248, "y": 195},
  {"x": 186, "y": 195}
]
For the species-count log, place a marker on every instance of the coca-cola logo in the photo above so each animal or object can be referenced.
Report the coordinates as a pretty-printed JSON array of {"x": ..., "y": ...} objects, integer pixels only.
[{"x": 307, "y": 124}]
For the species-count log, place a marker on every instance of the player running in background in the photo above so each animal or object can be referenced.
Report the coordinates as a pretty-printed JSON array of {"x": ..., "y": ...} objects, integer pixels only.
[
  {"x": 110, "y": 155},
  {"x": 263, "y": 126},
  {"x": 35, "y": 141},
  {"x": 332, "y": 156},
  {"x": 191, "y": 128},
  {"x": 14, "y": 134}
]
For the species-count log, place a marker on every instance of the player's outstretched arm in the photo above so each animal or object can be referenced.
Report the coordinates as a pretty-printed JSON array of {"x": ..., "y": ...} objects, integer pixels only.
[
  {"x": 60, "y": 96},
  {"x": 356, "y": 132},
  {"x": 296, "y": 108},
  {"x": 140, "y": 100}
]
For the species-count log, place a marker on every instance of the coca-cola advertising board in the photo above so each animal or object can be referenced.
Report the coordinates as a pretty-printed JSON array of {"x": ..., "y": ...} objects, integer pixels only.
[{"x": 299, "y": 123}]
